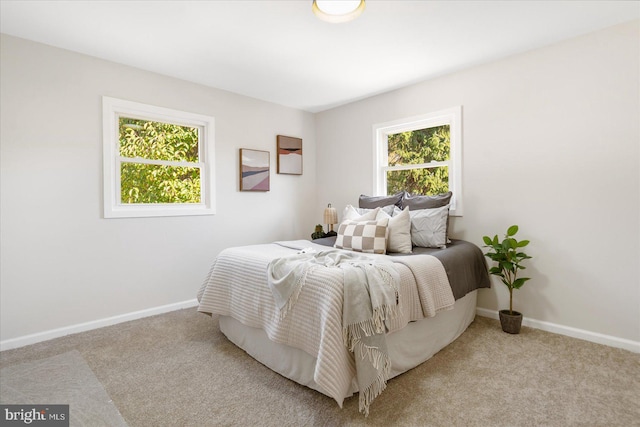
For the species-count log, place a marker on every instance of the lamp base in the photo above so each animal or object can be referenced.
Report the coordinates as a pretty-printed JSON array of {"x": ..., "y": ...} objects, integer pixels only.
[{"x": 331, "y": 234}]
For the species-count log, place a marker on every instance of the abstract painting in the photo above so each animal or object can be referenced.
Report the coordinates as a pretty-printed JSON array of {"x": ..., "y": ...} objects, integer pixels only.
[
  {"x": 289, "y": 155},
  {"x": 254, "y": 170}
]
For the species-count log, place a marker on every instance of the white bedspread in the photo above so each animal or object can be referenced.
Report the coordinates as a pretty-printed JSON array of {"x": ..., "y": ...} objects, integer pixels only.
[{"x": 237, "y": 286}]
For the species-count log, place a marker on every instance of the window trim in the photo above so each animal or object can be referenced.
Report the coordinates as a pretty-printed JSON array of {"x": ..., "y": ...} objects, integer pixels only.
[
  {"x": 112, "y": 109},
  {"x": 449, "y": 116}
]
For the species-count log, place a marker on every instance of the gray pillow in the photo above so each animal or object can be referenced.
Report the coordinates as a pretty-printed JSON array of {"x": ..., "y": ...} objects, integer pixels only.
[
  {"x": 386, "y": 209},
  {"x": 372, "y": 202},
  {"x": 416, "y": 202}
]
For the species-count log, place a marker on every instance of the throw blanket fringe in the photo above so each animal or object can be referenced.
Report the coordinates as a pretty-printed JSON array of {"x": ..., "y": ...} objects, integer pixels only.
[
  {"x": 370, "y": 298},
  {"x": 356, "y": 331},
  {"x": 382, "y": 364},
  {"x": 367, "y": 395}
]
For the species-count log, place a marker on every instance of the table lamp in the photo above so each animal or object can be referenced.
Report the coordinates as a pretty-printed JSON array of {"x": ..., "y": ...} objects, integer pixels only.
[{"x": 330, "y": 218}]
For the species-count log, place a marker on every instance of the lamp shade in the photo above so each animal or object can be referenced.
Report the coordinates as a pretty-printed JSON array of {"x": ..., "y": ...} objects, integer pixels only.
[
  {"x": 337, "y": 11},
  {"x": 330, "y": 215}
]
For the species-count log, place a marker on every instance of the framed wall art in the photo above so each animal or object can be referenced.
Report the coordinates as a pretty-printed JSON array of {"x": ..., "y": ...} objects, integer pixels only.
[
  {"x": 289, "y": 155},
  {"x": 254, "y": 170}
]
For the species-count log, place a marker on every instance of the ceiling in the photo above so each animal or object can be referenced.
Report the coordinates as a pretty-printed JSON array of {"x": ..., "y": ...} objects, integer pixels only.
[{"x": 280, "y": 52}]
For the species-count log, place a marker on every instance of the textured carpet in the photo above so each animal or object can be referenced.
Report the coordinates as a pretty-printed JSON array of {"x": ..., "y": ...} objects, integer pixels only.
[
  {"x": 177, "y": 369},
  {"x": 62, "y": 379}
]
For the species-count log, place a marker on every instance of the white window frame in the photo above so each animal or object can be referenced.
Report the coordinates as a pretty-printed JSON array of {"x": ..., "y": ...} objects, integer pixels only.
[
  {"x": 112, "y": 110},
  {"x": 450, "y": 116}
]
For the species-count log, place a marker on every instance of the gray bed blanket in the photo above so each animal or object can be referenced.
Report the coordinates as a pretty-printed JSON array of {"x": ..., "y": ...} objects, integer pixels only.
[{"x": 463, "y": 261}]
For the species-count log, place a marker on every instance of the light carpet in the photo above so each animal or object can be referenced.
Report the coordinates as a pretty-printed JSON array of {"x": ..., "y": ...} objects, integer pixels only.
[
  {"x": 62, "y": 379},
  {"x": 178, "y": 369}
]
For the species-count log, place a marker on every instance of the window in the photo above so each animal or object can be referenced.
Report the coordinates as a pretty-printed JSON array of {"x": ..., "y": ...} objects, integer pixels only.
[
  {"x": 421, "y": 155},
  {"x": 157, "y": 161}
]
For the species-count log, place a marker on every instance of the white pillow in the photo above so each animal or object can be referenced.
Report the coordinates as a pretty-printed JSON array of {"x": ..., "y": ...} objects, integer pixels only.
[
  {"x": 429, "y": 227},
  {"x": 399, "y": 239},
  {"x": 351, "y": 214},
  {"x": 363, "y": 236}
]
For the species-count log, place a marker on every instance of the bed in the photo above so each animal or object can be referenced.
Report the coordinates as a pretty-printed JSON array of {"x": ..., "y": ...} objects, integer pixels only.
[{"x": 305, "y": 341}]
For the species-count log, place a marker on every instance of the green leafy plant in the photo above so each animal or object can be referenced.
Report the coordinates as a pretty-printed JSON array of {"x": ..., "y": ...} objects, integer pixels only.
[
  {"x": 318, "y": 233},
  {"x": 154, "y": 183},
  {"x": 509, "y": 256},
  {"x": 419, "y": 147}
]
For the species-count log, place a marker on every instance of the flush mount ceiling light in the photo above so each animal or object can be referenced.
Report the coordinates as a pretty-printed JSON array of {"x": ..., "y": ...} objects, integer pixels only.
[{"x": 337, "y": 11}]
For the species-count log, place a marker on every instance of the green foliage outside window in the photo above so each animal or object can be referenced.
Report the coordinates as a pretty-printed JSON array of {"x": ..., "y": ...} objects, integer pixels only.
[
  {"x": 419, "y": 147},
  {"x": 156, "y": 183}
]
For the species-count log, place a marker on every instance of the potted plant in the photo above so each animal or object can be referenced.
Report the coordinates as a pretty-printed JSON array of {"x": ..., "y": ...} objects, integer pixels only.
[
  {"x": 319, "y": 232},
  {"x": 508, "y": 255}
]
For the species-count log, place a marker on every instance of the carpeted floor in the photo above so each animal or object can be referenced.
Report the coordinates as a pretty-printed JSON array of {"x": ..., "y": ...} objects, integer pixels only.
[
  {"x": 177, "y": 369},
  {"x": 61, "y": 379}
]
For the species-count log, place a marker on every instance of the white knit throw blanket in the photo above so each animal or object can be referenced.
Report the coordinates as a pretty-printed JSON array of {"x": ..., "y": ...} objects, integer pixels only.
[{"x": 370, "y": 298}]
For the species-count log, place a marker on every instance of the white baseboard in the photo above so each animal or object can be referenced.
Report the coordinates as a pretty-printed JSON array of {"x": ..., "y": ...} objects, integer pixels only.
[
  {"x": 94, "y": 324},
  {"x": 569, "y": 331},
  {"x": 595, "y": 337}
]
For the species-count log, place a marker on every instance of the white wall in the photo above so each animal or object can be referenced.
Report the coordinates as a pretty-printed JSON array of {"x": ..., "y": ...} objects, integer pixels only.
[
  {"x": 550, "y": 142},
  {"x": 62, "y": 263}
]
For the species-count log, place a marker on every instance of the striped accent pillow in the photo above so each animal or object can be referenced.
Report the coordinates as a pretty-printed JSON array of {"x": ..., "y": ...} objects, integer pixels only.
[{"x": 363, "y": 236}]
